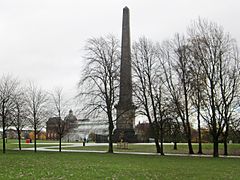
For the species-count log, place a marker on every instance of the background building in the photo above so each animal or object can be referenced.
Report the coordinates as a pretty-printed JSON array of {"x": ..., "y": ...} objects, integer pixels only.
[{"x": 77, "y": 129}]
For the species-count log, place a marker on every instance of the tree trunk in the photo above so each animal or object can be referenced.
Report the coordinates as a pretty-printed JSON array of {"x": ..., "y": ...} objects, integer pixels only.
[
  {"x": 187, "y": 131},
  {"x": 200, "y": 147},
  {"x": 225, "y": 140},
  {"x": 175, "y": 145},
  {"x": 215, "y": 147},
  {"x": 19, "y": 139},
  {"x": 35, "y": 139},
  {"x": 60, "y": 143},
  {"x": 156, "y": 136},
  {"x": 158, "y": 148},
  {"x": 214, "y": 122},
  {"x": 4, "y": 131},
  {"x": 161, "y": 139},
  {"x": 225, "y": 147},
  {"x": 110, "y": 145},
  {"x": 189, "y": 136},
  {"x": 161, "y": 150},
  {"x": 3, "y": 137},
  {"x": 190, "y": 148},
  {"x": 189, "y": 139},
  {"x": 199, "y": 131}
]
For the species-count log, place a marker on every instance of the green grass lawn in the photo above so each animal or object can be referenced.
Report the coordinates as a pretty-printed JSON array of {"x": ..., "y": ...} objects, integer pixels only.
[
  {"x": 55, "y": 165},
  {"x": 234, "y": 149},
  {"x": 13, "y": 144}
]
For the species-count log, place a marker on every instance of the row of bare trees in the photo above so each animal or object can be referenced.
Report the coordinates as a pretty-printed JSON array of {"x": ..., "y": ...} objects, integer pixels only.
[
  {"x": 189, "y": 79},
  {"x": 197, "y": 75},
  {"x": 28, "y": 106},
  {"x": 216, "y": 54}
]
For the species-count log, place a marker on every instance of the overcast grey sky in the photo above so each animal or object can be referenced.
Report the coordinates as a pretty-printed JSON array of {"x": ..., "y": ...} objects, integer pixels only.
[{"x": 43, "y": 40}]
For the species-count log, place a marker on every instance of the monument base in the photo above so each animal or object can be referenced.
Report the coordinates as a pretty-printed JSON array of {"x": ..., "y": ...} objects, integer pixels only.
[{"x": 125, "y": 135}]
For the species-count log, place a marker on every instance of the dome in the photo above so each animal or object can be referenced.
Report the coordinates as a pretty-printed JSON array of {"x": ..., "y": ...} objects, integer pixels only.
[{"x": 70, "y": 117}]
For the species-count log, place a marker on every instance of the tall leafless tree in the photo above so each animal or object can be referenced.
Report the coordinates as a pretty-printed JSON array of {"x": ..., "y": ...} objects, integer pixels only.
[
  {"x": 8, "y": 87},
  {"x": 59, "y": 110},
  {"x": 229, "y": 88},
  {"x": 18, "y": 113},
  {"x": 100, "y": 80},
  {"x": 148, "y": 87},
  {"x": 217, "y": 54},
  {"x": 175, "y": 61},
  {"x": 197, "y": 82},
  {"x": 37, "y": 101}
]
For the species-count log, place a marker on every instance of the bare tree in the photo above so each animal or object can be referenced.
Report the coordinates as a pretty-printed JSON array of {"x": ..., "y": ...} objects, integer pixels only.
[
  {"x": 36, "y": 100},
  {"x": 197, "y": 82},
  {"x": 217, "y": 54},
  {"x": 164, "y": 110},
  {"x": 18, "y": 113},
  {"x": 229, "y": 87},
  {"x": 8, "y": 87},
  {"x": 149, "y": 88},
  {"x": 175, "y": 59},
  {"x": 100, "y": 80},
  {"x": 59, "y": 104}
]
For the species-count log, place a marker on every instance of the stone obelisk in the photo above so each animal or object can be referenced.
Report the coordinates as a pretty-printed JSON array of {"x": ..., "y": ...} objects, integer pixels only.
[{"x": 125, "y": 107}]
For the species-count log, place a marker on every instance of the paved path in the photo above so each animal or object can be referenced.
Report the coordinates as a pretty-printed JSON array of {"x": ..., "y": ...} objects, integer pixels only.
[{"x": 55, "y": 146}]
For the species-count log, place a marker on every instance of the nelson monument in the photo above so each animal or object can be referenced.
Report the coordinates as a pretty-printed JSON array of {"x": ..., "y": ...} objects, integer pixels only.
[{"x": 125, "y": 108}]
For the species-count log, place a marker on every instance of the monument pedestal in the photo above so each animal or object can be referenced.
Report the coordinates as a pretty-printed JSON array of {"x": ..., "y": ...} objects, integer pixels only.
[
  {"x": 125, "y": 124},
  {"x": 125, "y": 135}
]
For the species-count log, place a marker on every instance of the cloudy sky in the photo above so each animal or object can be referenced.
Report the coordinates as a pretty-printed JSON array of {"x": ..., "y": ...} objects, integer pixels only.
[{"x": 43, "y": 40}]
